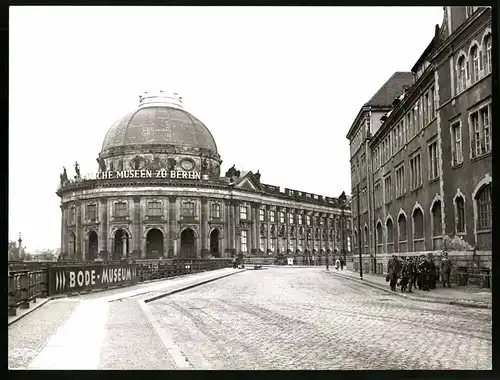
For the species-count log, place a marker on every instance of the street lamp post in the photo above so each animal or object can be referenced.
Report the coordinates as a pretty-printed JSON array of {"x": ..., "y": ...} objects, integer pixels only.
[{"x": 20, "y": 248}]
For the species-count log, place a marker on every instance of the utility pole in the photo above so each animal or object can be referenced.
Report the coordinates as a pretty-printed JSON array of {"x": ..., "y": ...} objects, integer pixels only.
[{"x": 359, "y": 233}]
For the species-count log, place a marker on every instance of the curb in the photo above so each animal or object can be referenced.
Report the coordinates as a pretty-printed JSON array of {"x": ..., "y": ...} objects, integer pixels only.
[
  {"x": 472, "y": 304},
  {"x": 30, "y": 310},
  {"x": 187, "y": 287}
]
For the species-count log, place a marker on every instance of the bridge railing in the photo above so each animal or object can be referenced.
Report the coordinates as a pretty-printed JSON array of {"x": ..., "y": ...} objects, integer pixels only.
[
  {"x": 25, "y": 286},
  {"x": 31, "y": 280}
]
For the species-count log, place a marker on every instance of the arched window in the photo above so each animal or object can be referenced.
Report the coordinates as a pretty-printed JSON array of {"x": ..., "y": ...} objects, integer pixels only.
[
  {"x": 487, "y": 54},
  {"x": 365, "y": 238},
  {"x": 462, "y": 73},
  {"x": 355, "y": 242},
  {"x": 390, "y": 231},
  {"x": 379, "y": 233},
  {"x": 402, "y": 228},
  {"x": 460, "y": 214},
  {"x": 483, "y": 199},
  {"x": 418, "y": 224},
  {"x": 476, "y": 64},
  {"x": 436, "y": 219}
]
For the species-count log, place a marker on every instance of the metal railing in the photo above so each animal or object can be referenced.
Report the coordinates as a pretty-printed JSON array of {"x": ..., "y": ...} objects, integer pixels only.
[{"x": 25, "y": 286}]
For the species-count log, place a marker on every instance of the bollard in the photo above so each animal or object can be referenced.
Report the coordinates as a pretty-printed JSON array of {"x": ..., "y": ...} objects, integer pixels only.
[
  {"x": 24, "y": 279},
  {"x": 12, "y": 295}
]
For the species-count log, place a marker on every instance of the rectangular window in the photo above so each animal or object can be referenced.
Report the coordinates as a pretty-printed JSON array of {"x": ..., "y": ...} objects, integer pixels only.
[
  {"x": 215, "y": 211},
  {"x": 415, "y": 172},
  {"x": 433, "y": 161},
  {"x": 272, "y": 244},
  {"x": 433, "y": 101},
  {"x": 243, "y": 237},
  {"x": 416, "y": 118},
  {"x": 243, "y": 212},
  {"x": 377, "y": 189},
  {"x": 300, "y": 219},
  {"x": 272, "y": 216},
  {"x": 481, "y": 131},
  {"x": 456, "y": 143},
  {"x": 187, "y": 208},
  {"x": 282, "y": 217},
  {"x": 409, "y": 126},
  {"x": 71, "y": 216},
  {"x": 290, "y": 218},
  {"x": 308, "y": 220},
  {"x": 91, "y": 212},
  {"x": 400, "y": 181},
  {"x": 262, "y": 246},
  {"x": 154, "y": 208},
  {"x": 388, "y": 188},
  {"x": 121, "y": 209},
  {"x": 426, "y": 108},
  {"x": 262, "y": 215}
]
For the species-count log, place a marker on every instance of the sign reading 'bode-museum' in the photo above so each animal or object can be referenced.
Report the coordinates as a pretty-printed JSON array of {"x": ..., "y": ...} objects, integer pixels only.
[{"x": 166, "y": 174}]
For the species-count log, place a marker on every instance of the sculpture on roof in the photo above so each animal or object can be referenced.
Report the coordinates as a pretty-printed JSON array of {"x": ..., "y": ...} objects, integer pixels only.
[
  {"x": 204, "y": 166},
  {"x": 63, "y": 176},
  {"x": 257, "y": 175},
  {"x": 232, "y": 172},
  {"x": 77, "y": 169},
  {"x": 102, "y": 163},
  {"x": 171, "y": 163}
]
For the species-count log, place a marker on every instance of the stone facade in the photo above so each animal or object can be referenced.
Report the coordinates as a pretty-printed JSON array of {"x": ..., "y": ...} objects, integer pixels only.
[
  {"x": 158, "y": 193},
  {"x": 421, "y": 148}
]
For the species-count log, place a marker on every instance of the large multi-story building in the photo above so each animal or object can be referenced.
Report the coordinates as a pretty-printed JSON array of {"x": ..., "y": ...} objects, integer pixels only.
[
  {"x": 421, "y": 150},
  {"x": 158, "y": 192}
]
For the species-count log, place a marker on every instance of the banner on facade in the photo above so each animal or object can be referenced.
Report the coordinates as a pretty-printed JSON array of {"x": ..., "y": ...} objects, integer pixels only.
[{"x": 67, "y": 279}]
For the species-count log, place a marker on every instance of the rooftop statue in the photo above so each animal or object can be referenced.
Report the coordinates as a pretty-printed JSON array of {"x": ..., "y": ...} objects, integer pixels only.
[
  {"x": 102, "y": 163},
  {"x": 77, "y": 169}
]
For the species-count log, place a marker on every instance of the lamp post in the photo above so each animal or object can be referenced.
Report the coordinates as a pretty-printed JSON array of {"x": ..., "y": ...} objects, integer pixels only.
[{"x": 20, "y": 248}]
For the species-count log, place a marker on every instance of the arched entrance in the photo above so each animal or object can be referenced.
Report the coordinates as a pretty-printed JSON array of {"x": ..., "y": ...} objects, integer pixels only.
[
  {"x": 92, "y": 251},
  {"x": 188, "y": 248},
  {"x": 214, "y": 243},
  {"x": 154, "y": 243},
  {"x": 121, "y": 244}
]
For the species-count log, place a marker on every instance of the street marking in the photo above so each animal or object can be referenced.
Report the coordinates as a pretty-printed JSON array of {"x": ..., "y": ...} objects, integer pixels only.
[
  {"x": 180, "y": 360},
  {"x": 76, "y": 345}
]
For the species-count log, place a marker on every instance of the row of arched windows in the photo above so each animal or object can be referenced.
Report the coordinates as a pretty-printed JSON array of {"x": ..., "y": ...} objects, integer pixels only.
[
  {"x": 400, "y": 235},
  {"x": 477, "y": 63}
]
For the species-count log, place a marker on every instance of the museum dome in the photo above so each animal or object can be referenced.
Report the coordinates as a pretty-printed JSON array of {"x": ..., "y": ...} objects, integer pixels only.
[{"x": 160, "y": 120}]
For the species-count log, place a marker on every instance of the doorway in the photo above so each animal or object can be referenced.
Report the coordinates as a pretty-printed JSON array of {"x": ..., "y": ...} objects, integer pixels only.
[
  {"x": 93, "y": 247},
  {"x": 188, "y": 248},
  {"x": 214, "y": 243},
  {"x": 154, "y": 244},
  {"x": 118, "y": 252}
]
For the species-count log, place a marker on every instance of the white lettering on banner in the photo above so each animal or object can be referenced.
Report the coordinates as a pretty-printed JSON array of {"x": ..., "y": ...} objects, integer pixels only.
[
  {"x": 162, "y": 173},
  {"x": 112, "y": 275},
  {"x": 80, "y": 278}
]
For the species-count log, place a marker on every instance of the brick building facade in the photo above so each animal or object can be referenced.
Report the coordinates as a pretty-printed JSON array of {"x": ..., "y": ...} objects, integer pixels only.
[{"x": 421, "y": 150}]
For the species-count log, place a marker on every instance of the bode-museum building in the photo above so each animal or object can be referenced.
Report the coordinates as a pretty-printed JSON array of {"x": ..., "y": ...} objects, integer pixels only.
[{"x": 158, "y": 192}]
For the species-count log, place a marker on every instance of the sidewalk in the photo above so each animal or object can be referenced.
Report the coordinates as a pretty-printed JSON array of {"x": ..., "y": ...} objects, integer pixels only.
[
  {"x": 69, "y": 333},
  {"x": 456, "y": 295}
]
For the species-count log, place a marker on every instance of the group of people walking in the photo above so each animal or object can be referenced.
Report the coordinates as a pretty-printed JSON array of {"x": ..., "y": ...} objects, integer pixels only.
[{"x": 420, "y": 272}]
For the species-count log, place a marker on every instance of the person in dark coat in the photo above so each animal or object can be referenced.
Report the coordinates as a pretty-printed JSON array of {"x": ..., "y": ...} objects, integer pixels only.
[
  {"x": 409, "y": 273},
  {"x": 425, "y": 268},
  {"x": 404, "y": 278},
  {"x": 446, "y": 267},
  {"x": 342, "y": 263},
  {"x": 393, "y": 268}
]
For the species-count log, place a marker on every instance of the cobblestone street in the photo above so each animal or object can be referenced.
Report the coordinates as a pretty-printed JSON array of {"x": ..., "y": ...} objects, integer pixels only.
[
  {"x": 294, "y": 318},
  {"x": 275, "y": 318}
]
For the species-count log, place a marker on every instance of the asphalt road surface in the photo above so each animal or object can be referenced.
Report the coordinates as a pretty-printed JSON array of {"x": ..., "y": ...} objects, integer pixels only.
[{"x": 276, "y": 318}]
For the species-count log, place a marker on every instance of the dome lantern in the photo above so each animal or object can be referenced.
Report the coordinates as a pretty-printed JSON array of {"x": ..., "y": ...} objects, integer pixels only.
[{"x": 161, "y": 99}]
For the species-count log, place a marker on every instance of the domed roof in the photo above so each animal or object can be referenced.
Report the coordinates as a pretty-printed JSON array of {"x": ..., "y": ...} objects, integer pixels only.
[{"x": 159, "y": 119}]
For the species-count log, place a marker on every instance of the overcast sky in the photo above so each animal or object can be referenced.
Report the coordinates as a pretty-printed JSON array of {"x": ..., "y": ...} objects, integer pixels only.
[{"x": 278, "y": 87}]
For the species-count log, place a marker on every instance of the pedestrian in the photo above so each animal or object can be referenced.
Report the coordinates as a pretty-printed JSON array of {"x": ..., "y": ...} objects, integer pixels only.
[
  {"x": 409, "y": 272},
  {"x": 337, "y": 264},
  {"x": 393, "y": 268},
  {"x": 415, "y": 262},
  {"x": 432, "y": 272},
  {"x": 424, "y": 269},
  {"x": 404, "y": 279},
  {"x": 342, "y": 263},
  {"x": 234, "y": 263},
  {"x": 446, "y": 269}
]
